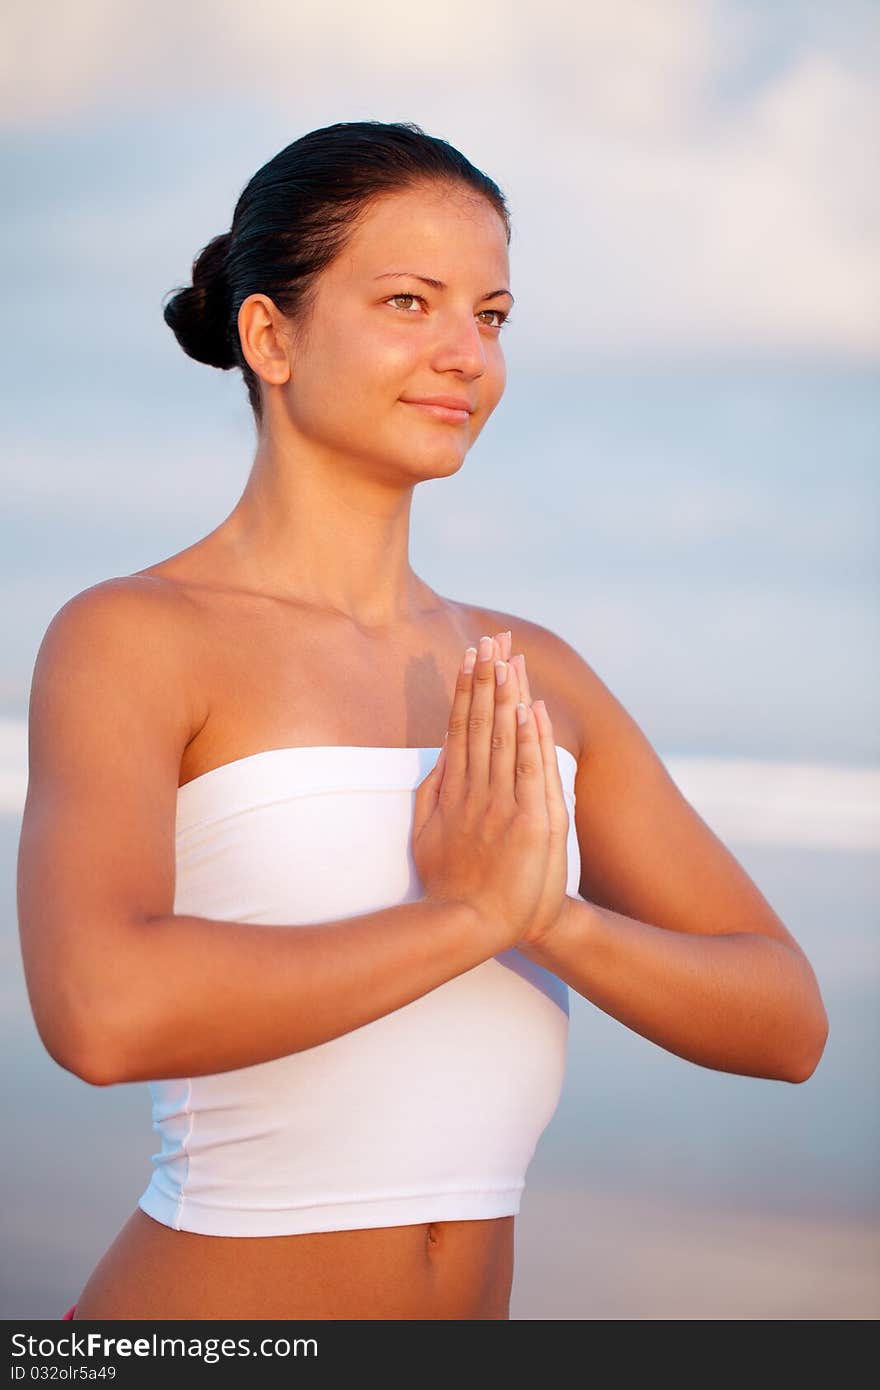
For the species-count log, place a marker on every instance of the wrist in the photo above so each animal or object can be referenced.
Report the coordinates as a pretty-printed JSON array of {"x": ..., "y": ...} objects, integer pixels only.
[
  {"x": 551, "y": 934},
  {"x": 475, "y": 932}
]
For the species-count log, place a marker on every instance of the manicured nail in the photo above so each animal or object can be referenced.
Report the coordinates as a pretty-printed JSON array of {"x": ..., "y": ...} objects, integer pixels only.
[
  {"x": 470, "y": 658},
  {"x": 485, "y": 648},
  {"x": 500, "y": 672},
  {"x": 521, "y": 713}
]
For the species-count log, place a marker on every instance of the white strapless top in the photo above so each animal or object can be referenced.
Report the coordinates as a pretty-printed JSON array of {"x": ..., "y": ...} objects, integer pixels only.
[{"x": 431, "y": 1113}]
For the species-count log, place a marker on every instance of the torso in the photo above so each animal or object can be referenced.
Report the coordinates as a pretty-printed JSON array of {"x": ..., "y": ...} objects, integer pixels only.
[
  {"x": 266, "y": 673},
  {"x": 444, "y": 1269}
]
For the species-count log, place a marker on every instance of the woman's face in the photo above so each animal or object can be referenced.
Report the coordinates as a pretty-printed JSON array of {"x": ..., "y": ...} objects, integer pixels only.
[{"x": 379, "y": 338}]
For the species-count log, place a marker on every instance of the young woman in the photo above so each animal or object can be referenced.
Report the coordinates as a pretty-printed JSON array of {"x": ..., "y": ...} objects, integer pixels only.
[{"x": 291, "y": 857}]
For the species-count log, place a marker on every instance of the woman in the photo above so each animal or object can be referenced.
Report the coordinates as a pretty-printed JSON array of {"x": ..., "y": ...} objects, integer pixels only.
[{"x": 310, "y": 876}]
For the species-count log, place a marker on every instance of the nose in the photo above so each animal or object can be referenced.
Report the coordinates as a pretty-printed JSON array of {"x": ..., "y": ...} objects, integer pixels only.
[{"x": 460, "y": 347}]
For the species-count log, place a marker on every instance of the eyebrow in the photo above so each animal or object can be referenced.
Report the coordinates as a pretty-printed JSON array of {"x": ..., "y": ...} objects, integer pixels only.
[{"x": 436, "y": 284}]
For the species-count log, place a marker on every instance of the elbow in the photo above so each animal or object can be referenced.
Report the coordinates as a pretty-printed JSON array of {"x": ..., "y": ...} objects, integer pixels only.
[
  {"x": 86, "y": 1053},
  {"x": 98, "y": 1069},
  {"x": 809, "y": 1028},
  {"x": 86, "y": 1022},
  {"x": 101, "y": 1058},
  {"x": 809, "y": 1059}
]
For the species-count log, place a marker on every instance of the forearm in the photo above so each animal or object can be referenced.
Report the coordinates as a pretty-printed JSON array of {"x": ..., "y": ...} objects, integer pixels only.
[
  {"x": 196, "y": 996},
  {"x": 742, "y": 1002}
]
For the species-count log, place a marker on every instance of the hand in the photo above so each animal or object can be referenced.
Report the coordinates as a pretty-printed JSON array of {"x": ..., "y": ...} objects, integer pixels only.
[{"x": 481, "y": 831}]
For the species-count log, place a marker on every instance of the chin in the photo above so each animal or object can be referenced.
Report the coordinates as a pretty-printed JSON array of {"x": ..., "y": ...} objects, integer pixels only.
[{"x": 441, "y": 463}]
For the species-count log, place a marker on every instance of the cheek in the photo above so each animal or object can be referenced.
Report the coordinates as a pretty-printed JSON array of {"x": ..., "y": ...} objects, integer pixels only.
[
  {"x": 373, "y": 368},
  {"x": 493, "y": 384},
  {"x": 342, "y": 376},
  {"x": 394, "y": 355}
]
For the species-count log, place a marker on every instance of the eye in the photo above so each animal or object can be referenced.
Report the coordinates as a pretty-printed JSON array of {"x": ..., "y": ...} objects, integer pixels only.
[
  {"x": 501, "y": 315},
  {"x": 416, "y": 297}
]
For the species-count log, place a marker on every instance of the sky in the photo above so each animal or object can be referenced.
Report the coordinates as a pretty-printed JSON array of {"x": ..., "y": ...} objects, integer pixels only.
[
  {"x": 681, "y": 479},
  {"x": 686, "y": 449}
]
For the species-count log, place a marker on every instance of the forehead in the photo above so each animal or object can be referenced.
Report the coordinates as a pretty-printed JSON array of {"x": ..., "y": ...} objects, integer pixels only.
[{"x": 449, "y": 234}]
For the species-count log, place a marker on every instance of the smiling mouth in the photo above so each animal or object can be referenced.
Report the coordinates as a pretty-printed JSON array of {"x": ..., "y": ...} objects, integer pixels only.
[{"x": 441, "y": 412}]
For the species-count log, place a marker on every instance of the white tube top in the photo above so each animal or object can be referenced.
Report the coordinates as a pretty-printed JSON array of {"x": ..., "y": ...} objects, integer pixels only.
[{"x": 431, "y": 1113}]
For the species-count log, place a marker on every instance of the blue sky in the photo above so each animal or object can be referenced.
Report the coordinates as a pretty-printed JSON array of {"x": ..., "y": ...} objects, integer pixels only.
[{"x": 686, "y": 451}]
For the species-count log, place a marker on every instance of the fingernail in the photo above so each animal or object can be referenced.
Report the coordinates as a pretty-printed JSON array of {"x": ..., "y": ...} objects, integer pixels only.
[
  {"x": 485, "y": 648},
  {"x": 521, "y": 713},
  {"x": 470, "y": 658},
  {"x": 500, "y": 672}
]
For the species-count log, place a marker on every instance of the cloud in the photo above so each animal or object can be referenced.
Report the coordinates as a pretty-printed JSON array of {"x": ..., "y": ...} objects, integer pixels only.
[
  {"x": 634, "y": 60},
  {"x": 691, "y": 177}
]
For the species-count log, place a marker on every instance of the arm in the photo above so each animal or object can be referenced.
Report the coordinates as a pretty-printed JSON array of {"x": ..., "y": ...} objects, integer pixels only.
[
  {"x": 669, "y": 934},
  {"x": 193, "y": 996},
  {"x": 737, "y": 1001},
  {"x": 121, "y": 988}
]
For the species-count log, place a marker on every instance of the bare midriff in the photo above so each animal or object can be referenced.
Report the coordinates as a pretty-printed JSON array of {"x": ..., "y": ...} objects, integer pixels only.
[{"x": 444, "y": 1269}]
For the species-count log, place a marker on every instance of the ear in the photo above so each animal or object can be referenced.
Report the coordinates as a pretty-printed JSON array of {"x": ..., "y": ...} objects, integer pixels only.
[{"x": 265, "y": 339}]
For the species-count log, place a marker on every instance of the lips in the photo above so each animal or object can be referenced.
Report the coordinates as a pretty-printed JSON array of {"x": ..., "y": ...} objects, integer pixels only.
[
  {"x": 449, "y": 408},
  {"x": 452, "y": 402}
]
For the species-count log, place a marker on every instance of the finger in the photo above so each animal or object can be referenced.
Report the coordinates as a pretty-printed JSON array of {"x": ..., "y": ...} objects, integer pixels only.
[
  {"x": 526, "y": 694},
  {"x": 516, "y": 696},
  {"x": 552, "y": 777},
  {"x": 502, "y": 769},
  {"x": 514, "y": 676},
  {"x": 530, "y": 786},
  {"x": 428, "y": 791},
  {"x": 440, "y": 764},
  {"x": 456, "y": 760},
  {"x": 482, "y": 715}
]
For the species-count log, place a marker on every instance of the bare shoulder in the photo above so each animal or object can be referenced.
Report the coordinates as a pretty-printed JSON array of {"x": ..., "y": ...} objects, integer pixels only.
[
  {"x": 138, "y": 628},
  {"x": 122, "y": 598}
]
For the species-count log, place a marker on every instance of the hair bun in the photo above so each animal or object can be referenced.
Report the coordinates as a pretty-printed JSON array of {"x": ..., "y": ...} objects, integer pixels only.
[{"x": 198, "y": 315}]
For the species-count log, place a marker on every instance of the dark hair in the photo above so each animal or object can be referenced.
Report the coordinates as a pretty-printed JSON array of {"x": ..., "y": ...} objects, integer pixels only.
[{"x": 294, "y": 217}]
